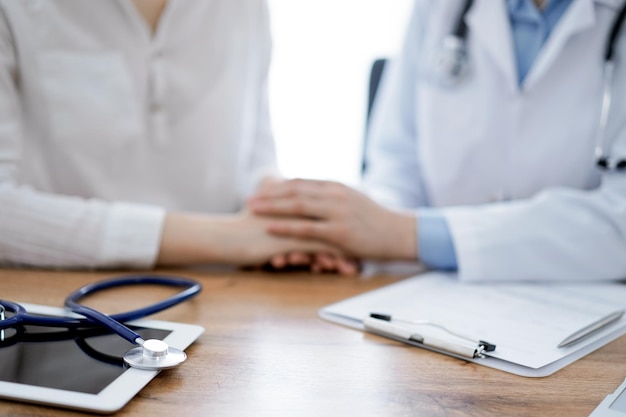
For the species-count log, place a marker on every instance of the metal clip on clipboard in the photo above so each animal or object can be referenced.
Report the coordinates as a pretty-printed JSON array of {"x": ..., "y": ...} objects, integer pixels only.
[{"x": 454, "y": 343}]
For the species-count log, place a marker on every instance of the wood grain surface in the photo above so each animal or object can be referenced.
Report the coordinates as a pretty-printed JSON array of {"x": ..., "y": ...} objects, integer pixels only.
[{"x": 265, "y": 352}]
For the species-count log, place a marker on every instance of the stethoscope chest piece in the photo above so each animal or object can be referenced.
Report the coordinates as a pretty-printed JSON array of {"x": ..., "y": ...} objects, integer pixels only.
[{"x": 154, "y": 355}]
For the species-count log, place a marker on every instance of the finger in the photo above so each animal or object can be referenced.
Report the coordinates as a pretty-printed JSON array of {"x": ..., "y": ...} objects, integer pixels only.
[
  {"x": 347, "y": 267},
  {"x": 287, "y": 244},
  {"x": 340, "y": 264},
  {"x": 295, "y": 206},
  {"x": 316, "y": 264},
  {"x": 326, "y": 261},
  {"x": 269, "y": 181},
  {"x": 278, "y": 261},
  {"x": 298, "y": 258},
  {"x": 304, "y": 229},
  {"x": 281, "y": 189},
  {"x": 292, "y": 188}
]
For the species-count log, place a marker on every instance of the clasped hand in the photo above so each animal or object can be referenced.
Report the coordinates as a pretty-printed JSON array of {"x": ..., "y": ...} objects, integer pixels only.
[{"x": 336, "y": 215}]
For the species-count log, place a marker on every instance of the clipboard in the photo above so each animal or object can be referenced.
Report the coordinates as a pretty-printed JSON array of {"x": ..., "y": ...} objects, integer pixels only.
[{"x": 525, "y": 321}]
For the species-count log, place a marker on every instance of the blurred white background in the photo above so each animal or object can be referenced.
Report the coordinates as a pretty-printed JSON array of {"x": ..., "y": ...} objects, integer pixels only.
[{"x": 323, "y": 50}]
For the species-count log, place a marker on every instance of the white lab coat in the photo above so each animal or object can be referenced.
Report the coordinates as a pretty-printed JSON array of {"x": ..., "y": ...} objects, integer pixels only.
[{"x": 511, "y": 167}]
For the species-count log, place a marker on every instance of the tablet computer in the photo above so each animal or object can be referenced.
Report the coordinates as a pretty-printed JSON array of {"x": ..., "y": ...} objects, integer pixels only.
[
  {"x": 82, "y": 370},
  {"x": 614, "y": 405}
]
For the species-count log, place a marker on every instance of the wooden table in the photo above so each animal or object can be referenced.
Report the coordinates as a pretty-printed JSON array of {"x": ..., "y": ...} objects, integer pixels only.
[{"x": 266, "y": 353}]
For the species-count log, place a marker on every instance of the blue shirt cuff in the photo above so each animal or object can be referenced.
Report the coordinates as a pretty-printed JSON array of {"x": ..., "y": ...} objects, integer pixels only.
[{"x": 436, "y": 248}]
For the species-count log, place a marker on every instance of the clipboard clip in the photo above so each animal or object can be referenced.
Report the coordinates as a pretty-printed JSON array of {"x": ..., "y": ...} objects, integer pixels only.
[{"x": 448, "y": 341}]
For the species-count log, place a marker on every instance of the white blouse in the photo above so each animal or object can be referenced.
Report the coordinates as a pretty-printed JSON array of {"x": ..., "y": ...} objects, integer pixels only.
[{"x": 104, "y": 126}]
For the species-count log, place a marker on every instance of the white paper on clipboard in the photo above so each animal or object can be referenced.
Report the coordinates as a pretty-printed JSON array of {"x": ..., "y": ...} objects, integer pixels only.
[{"x": 526, "y": 321}]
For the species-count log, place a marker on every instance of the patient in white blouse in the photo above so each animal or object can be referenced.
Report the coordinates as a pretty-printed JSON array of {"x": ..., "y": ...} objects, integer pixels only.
[{"x": 132, "y": 131}]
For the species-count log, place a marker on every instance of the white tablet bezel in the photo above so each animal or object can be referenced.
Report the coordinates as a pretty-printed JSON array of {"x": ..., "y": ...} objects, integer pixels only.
[
  {"x": 604, "y": 408},
  {"x": 117, "y": 393}
]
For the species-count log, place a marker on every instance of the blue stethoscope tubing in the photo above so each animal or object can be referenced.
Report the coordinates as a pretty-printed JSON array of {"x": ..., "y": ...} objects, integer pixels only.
[
  {"x": 114, "y": 322},
  {"x": 153, "y": 354}
]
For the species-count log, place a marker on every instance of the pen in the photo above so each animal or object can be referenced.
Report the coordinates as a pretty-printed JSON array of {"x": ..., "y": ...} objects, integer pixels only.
[
  {"x": 590, "y": 329},
  {"x": 459, "y": 345}
]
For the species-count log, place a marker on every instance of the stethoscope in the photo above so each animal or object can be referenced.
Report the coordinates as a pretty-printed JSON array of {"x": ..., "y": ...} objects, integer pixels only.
[
  {"x": 452, "y": 67},
  {"x": 151, "y": 354}
]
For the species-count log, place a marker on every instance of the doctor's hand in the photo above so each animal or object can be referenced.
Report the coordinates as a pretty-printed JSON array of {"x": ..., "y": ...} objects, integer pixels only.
[
  {"x": 338, "y": 215},
  {"x": 316, "y": 262},
  {"x": 242, "y": 239}
]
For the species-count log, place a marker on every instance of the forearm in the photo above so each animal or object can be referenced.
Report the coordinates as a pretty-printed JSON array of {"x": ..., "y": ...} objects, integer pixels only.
[
  {"x": 189, "y": 238},
  {"x": 238, "y": 239}
]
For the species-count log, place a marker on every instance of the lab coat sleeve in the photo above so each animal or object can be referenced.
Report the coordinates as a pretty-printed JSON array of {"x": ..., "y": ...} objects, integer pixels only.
[
  {"x": 393, "y": 176},
  {"x": 262, "y": 162},
  {"x": 40, "y": 229},
  {"x": 560, "y": 234}
]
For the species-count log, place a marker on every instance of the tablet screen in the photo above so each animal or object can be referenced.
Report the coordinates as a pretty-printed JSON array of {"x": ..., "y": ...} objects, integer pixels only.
[
  {"x": 81, "y": 361},
  {"x": 80, "y": 369}
]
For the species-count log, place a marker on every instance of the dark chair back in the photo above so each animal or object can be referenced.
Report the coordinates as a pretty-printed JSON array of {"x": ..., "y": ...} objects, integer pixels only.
[{"x": 376, "y": 73}]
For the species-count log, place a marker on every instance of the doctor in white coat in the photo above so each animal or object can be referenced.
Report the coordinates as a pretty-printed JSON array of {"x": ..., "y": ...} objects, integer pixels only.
[{"x": 495, "y": 174}]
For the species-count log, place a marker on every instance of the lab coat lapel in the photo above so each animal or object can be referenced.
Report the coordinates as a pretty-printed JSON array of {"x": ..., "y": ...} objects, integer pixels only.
[
  {"x": 578, "y": 17},
  {"x": 488, "y": 21}
]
